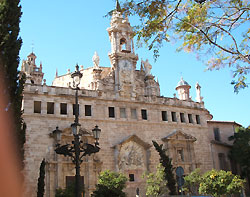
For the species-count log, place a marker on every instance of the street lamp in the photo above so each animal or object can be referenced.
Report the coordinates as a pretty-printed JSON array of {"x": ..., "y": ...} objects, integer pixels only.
[
  {"x": 96, "y": 133},
  {"x": 77, "y": 150},
  {"x": 56, "y": 134}
]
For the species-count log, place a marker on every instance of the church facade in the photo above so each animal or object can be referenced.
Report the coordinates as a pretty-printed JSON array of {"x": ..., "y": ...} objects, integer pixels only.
[{"x": 127, "y": 106}]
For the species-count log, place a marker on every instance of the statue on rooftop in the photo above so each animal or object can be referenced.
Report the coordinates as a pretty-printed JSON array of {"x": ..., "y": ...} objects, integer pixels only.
[
  {"x": 96, "y": 60},
  {"x": 147, "y": 67}
]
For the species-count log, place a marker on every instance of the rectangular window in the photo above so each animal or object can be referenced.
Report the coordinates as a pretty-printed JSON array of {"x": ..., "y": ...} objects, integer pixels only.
[
  {"x": 87, "y": 110},
  {"x": 216, "y": 134},
  {"x": 173, "y": 114},
  {"x": 144, "y": 114},
  {"x": 233, "y": 166},
  {"x": 133, "y": 114},
  {"x": 37, "y": 107},
  {"x": 222, "y": 161},
  {"x": 123, "y": 113},
  {"x": 182, "y": 117},
  {"x": 63, "y": 108},
  {"x": 111, "y": 112},
  {"x": 164, "y": 116},
  {"x": 198, "y": 121},
  {"x": 131, "y": 177},
  {"x": 50, "y": 108},
  {"x": 190, "y": 118}
]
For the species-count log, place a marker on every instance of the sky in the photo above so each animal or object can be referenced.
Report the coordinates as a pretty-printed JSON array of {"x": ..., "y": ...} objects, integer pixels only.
[{"x": 63, "y": 33}]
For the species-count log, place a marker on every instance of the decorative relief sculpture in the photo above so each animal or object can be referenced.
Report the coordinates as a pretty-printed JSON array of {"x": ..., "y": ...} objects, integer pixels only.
[
  {"x": 125, "y": 77},
  {"x": 131, "y": 156}
]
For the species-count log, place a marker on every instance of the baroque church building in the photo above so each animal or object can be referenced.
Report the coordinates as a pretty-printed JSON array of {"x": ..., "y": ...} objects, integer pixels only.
[{"x": 127, "y": 106}]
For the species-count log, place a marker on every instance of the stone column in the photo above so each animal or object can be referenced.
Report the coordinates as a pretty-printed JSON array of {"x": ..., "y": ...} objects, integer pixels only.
[
  {"x": 43, "y": 107},
  {"x": 57, "y": 109}
]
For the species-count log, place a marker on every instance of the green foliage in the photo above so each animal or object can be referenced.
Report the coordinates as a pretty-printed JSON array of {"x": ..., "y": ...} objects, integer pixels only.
[
  {"x": 104, "y": 191},
  {"x": 110, "y": 184},
  {"x": 156, "y": 183},
  {"x": 217, "y": 183},
  {"x": 10, "y": 43},
  {"x": 213, "y": 182},
  {"x": 211, "y": 28},
  {"x": 168, "y": 168},
  {"x": 41, "y": 183},
  {"x": 112, "y": 180},
  {"x": 241, "y": 149},
  {"x": 192, "y": 182}
]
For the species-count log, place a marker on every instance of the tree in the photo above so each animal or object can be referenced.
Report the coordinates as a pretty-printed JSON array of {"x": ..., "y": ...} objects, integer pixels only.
[
  {"x": 168, "y": 168},
  {"x": 192, "y": 182},
  {"x": 208, "y": 28},
  {"x": 41, "y": 184},
  {"x": 241, "y": 150},
  {"x": 10, "y": 43},
  {"x": 110, "y": 184},
  {"x": 217, "y": 183},
  {"x": 156, "y": 183}
]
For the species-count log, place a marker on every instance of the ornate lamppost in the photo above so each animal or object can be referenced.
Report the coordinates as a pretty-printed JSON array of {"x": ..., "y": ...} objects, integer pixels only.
[{"x": 77, "y": 150}]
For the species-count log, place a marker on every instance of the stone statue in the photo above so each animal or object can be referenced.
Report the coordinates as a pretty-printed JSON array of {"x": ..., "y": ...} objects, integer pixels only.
[
  {"x": 147, "y": 67},
  {"x": 96, "y": 60},
  {"x": 198, "y": 93}
]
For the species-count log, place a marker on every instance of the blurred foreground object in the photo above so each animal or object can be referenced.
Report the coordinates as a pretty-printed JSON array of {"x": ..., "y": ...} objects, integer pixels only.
[{"x": 10, "y": 179}]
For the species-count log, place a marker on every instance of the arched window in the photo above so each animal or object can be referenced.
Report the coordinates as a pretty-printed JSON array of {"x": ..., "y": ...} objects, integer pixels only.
[{"x": 123, "y": 44}]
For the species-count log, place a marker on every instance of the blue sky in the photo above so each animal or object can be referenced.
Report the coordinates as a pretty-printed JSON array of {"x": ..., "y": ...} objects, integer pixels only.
[{"x": 67, "y": 32}]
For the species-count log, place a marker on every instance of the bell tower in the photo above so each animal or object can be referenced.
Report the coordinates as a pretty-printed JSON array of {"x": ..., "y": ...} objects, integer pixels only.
[
  {"x": 122, "y": 56},
  {"x": 33, "y": 73}
]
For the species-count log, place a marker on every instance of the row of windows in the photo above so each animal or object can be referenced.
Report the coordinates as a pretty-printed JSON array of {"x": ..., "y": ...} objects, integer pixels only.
[
  {"x": 111, "y": 112},
  {"x": 63, "y": 108},
  {"x": 182, "y": 117}
]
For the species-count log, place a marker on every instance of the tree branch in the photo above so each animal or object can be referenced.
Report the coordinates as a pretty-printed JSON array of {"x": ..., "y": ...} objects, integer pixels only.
[
  {"x": 208, "y": 38},
  {"x": 236, "y": 20}
]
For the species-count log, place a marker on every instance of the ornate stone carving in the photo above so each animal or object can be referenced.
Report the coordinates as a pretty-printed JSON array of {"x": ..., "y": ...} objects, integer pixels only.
[
  {"x": 125, "y": 76},
  {"x": 131, "y": 156}
]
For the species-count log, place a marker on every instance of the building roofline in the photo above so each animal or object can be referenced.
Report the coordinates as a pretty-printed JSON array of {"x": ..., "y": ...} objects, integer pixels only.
[{"x": 226, "y": 122}]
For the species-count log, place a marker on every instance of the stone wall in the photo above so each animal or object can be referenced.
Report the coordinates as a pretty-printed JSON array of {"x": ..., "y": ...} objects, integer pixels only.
[
  {"x": 116, "y": 130},
  {"x": 220, "y": 146}
]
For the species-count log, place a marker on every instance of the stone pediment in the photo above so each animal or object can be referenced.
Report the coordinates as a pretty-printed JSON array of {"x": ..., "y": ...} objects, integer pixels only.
[
  {"x": 131, "y": 153},
  {"x": 179, "y": 135},
  {"x": 133, "y": 138}
]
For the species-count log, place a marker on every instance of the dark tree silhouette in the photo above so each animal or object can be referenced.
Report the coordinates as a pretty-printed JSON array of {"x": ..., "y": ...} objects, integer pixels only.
[
  {"x": 41, "y": 184},
  {"x": 168, "y": 168},
  {"x": 10, "y": 44}
]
